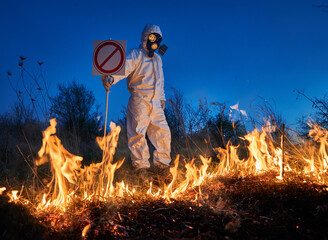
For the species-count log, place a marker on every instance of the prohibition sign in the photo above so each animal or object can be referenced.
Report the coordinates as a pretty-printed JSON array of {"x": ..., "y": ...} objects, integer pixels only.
[{"x": 117, "y": 62}]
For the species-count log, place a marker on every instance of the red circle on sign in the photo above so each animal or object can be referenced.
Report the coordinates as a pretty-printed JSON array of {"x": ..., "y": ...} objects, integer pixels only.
[{"x": 100, "y": 66}]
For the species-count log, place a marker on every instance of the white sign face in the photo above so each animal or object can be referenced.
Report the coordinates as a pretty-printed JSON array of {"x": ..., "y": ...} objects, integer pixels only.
[{"x": 109, "y": 57}]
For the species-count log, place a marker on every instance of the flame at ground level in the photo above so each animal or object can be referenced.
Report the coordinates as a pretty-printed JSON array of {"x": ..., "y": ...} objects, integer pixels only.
[{"x": 96, "y": 182}]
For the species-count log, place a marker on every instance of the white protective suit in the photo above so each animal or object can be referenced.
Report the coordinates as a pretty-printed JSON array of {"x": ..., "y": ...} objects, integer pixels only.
[{"x": 145, "y": 115}]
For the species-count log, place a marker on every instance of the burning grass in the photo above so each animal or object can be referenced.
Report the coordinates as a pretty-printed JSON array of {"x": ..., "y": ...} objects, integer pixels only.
[
  {"x": 273, "y": 194},
  {"x": 254, "y": 207}
]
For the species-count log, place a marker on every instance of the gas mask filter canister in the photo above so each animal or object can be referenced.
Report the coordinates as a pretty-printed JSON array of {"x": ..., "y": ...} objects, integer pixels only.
[{"x": 153, "y": 43}]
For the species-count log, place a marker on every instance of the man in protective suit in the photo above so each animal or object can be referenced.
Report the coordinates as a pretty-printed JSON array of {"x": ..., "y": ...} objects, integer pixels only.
[{"x": 145, "y": 111}]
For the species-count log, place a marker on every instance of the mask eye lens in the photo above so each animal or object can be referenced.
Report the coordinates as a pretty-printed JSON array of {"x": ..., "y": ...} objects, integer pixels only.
[
  {"x": 154, "y": 46},
  {"x": 152, "y": 38}
]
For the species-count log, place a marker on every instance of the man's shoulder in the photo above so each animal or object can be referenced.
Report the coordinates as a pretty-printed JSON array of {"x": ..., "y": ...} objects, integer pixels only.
[
  {"x": 134, "y": 52},
  {"x": 158, "y": 57}
]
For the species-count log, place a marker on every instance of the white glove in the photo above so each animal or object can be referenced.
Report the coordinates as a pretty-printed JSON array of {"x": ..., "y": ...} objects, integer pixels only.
[{"x": 107, "y": 82}]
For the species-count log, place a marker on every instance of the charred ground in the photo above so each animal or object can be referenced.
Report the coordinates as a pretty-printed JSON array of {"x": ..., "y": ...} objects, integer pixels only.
[{"x": 257, "y": 207}]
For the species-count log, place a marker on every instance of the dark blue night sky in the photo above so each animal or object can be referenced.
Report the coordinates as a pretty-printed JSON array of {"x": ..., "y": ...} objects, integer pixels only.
[{"x": 227, "y": 51}]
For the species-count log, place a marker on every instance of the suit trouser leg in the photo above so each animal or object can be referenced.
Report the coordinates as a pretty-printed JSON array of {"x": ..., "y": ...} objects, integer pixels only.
[
  {"x": 137, "y": 124},
  {"x": 160, "y": 136}
]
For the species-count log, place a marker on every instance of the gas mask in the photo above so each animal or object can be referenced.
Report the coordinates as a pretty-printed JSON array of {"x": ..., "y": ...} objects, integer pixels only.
[{"x": 153, "y": 43}]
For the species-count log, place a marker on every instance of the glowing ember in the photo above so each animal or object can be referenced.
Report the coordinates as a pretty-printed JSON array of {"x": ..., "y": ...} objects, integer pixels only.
[
  {"x": 2, "y": 190},
  {"x": 85, "y": 230},
  {"x": 13, "y": 196}
]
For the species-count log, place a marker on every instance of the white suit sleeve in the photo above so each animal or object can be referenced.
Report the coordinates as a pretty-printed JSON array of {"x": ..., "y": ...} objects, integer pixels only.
[
  {"x": 162, "y": 97},
  {"x": 130, "y": 65},
  {"x": 162, "y": 93}
]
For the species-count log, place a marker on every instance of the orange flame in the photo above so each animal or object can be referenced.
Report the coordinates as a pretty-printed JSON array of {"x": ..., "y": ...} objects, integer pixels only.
[
  {"x": 69, "y": 176},
  {"x": 263, "y": 156},
  {"x": 96, "y": 181},
  {"x": 64, "y": 165}
]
